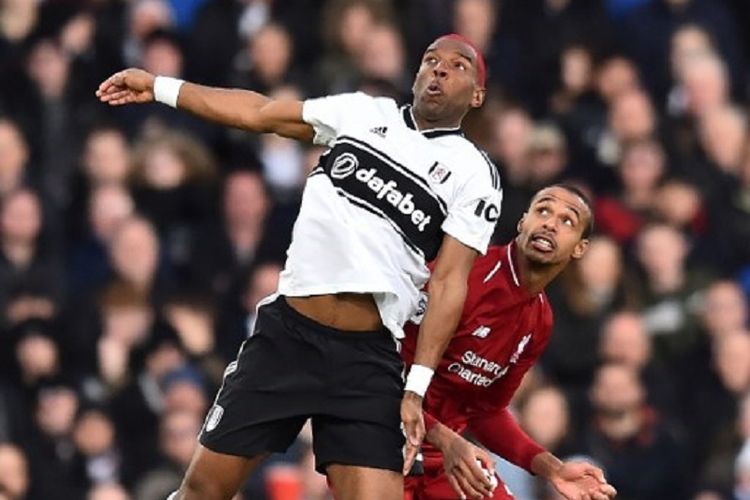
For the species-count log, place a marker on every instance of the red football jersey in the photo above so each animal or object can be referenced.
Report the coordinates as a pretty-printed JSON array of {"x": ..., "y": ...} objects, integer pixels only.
[{"x": 502, "y": 332}]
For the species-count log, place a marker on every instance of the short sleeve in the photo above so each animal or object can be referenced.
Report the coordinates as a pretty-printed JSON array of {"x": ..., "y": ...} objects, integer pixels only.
[
  {"x": 472, "y": 216},
  {"x": 327, "y": 115}
]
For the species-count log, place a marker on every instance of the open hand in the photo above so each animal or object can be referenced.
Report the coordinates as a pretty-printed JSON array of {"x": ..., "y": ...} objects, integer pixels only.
[
  {"x": 579, "y": 480},
  {"x": 127, "y": 87}
]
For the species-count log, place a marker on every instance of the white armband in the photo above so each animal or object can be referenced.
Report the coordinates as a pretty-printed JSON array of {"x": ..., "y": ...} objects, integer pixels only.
[
  {"x": 167, "y": 89},
  {"x": 419, "y": 379}
]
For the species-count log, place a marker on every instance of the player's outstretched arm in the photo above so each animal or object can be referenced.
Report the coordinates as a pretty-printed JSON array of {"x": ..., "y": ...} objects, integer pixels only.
[
  {"x": 447, "y": 294},
  {"x": 237, "y": 108}
]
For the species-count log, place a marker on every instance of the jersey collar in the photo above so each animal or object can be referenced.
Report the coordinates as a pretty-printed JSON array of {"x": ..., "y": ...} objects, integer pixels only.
[{"x": 431, "y": 133}]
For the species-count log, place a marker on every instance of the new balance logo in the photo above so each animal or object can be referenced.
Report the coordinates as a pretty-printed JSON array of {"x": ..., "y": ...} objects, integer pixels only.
[
  {"x": 379, "y": 131},
  {"x": 481, "y": 332}
]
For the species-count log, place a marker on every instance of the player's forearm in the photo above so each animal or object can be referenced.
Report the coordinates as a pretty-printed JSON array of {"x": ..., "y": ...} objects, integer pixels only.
[
  {"x": 545, "y": 464},
  {"x": 232, "y": 107},
  {"x": 501, "y": 434},
  {"x": 439, "y": 435},
  {"x": 440, "y": 321}
]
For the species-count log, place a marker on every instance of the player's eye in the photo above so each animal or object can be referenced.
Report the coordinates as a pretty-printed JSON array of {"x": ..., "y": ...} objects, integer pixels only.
[
  {"x": 542, "y": 211},
  {"x": 430, "y": 60},
  {"x": 568, "y": 222},
  {"x": 459, "y": 65}
]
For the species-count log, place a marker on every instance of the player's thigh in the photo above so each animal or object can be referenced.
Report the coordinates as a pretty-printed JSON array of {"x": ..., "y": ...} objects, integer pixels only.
[
  {"x": 216, "y": 476},
  {"x": 353, "y": 482}
]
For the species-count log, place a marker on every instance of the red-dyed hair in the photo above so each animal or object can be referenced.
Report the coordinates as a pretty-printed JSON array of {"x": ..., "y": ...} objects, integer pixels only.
[{"x": 481, "y": 65}]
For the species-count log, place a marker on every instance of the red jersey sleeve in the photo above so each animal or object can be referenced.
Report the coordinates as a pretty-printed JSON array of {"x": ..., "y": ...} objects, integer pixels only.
[
  {"x": 493, "y": 424},
  {"x": 502, "y": 435}
]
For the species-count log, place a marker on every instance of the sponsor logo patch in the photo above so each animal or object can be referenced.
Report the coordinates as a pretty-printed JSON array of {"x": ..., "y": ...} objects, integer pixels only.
[{"x": 214, "y": 417}]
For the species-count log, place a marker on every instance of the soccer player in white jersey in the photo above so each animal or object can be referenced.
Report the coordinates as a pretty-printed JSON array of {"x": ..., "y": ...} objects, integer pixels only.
[{"x": 398, "y": 187}]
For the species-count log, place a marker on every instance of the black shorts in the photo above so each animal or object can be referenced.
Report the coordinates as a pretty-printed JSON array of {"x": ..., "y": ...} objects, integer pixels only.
[{"x": 291, "y": 369}]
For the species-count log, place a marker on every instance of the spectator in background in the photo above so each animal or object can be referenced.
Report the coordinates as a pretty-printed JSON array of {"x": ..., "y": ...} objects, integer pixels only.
[
  {"x": 638, "y": 453},
  {"x": 616, "y": 75},
  {"x": 177, "y": 431},
  {"x": 98, "y": 456},
  {"x": 732, "y": 220},
  {"x": 621, "y": 215},
  {"x": 383, "y": 58},
  {"x": 14, "y": 157},
  {"x": 224, "y": 259},
  {"x": 30, "y": 274},
  {"x": 134, "y": 254},
  {"x": 631, "y": 118},
  {"x": 584, "y": 297},
  {"x": 107, "y": 491},
  {"x": 511, "y": 132},
  {"x": 173, "y": 179},
  {"x": 576, "y": 79},
  {"x": 544, "y": 163},
  {"x": 37, "y": 355},
  {"x": 712, "y": 405},
  {"x": 668, "y": 289},
  {"x": 143, "y": 18},
  {"x": 347, "y": 25},
  {"x": 237, "y": 323},
  {"x": 53, "y": 113},
  {"x": 109, "y": 206},
  {"x": 52, "y": 451},
  {"x": 14, "y": 472},
  {"x": 266, "y": 62},
  {"x": 624, "y": 340},
  {"x": 722, "y": 132}
]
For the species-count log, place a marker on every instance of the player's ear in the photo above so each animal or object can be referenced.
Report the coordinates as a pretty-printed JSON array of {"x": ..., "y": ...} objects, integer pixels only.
[
  {"x": 520, "y": 222},
  {"x": 580, "y": 249},
  {"x": 477, "y": 99}
]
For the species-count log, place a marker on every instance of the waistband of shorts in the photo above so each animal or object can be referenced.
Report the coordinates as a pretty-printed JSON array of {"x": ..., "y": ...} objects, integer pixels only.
[{"x": 283, "y": 305}]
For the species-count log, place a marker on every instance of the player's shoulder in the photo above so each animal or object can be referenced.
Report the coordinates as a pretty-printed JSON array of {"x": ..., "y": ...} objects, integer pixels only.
[
  {"x": 475, "y": 164},
  {"x": 355, "y": 102},
  {"x": 485, "y": 268}
]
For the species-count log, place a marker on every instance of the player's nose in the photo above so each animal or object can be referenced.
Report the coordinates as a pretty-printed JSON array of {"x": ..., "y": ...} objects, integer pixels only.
[{"x": 440, "y": 70}]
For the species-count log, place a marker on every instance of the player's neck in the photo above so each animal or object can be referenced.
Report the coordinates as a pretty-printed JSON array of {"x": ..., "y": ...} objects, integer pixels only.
[
  {"x": 424, "y": 123},
  {"x": 535, "y": 277}
]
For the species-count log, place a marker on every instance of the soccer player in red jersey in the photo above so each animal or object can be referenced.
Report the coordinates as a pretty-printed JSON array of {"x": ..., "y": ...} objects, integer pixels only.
[{"x": 504, "y": 328}]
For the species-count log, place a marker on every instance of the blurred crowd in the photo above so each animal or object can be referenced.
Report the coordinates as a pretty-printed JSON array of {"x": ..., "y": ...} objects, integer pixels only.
[{"x": 135, "y": 242}]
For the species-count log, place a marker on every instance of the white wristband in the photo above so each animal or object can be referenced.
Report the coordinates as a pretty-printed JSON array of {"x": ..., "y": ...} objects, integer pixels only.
[
  {"x": 419, "y": 379},
  {"x": 166, "y": 90}
]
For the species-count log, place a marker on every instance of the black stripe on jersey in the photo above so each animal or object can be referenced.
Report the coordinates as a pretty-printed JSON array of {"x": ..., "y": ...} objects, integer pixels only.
[
  {"x": 375, "y": 211},
  {"x": 393, "y": 163},
  {"x": 366, "y": 176},
  {"x": 494, "y": 173}
]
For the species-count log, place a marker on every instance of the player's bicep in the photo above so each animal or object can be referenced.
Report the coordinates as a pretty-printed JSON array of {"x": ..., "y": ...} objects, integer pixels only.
[
  {"x": 454, "y": 260},
  {"x": 285, "y": 118}
]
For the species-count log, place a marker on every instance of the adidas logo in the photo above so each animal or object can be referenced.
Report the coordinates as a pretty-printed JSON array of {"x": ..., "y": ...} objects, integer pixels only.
[{"x": 379, "y": 131}]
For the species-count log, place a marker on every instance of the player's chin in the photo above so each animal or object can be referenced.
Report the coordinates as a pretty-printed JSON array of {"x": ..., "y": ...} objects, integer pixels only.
[{"x": 540, "y": 257}]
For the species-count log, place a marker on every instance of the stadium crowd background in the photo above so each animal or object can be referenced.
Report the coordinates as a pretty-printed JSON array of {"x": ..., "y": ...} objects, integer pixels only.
[{"x": 135, "y": 242}]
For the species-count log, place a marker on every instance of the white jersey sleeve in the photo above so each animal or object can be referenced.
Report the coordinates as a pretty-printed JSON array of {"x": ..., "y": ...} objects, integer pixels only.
[
  {"x": 328, "y": 115},
  {"x": 472, "y": 216}
]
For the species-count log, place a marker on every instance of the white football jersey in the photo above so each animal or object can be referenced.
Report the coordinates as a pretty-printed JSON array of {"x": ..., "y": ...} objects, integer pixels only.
[{"x": 376, "y": 207}]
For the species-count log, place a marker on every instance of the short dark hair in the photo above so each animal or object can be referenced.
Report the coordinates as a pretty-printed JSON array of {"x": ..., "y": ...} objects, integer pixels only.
[{"x": 580, "y": 194}]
